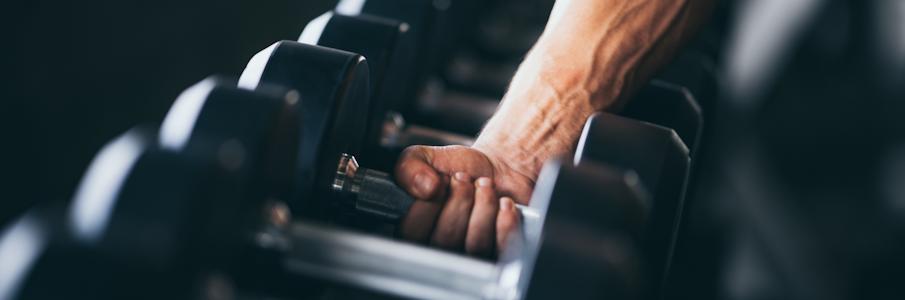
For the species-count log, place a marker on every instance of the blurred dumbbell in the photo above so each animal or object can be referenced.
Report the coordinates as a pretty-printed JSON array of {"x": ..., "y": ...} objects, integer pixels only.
[
  {"x": 661, "y": 160},
  {"x": 587, "y": 240},
  {"x": 334, "y": 106},
  {"x": 436, "y": 25},
  {"x": 388, "y": 47},
  {"x": 509, "y": 28},
  {"x": 470, "y": 72},
  {"x": 671, "y": 106},
  {"x": 264, "y": 126},
  {"x": 145, "y": 222},
  {"x": 386, "y": 44},
  {"x": 485, "y": 62},
  {"x": 696, "y": 71}
]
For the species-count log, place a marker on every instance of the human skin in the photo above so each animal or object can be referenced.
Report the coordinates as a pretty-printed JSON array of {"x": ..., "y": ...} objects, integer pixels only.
[{"x": 592, "y": 56}]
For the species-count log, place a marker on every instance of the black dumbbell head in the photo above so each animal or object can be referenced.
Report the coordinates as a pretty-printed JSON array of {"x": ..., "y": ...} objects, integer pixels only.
[
  {"x": 660, "y": 159},
  {"x": 388, "y": 47},
  {"x": 265, "y": 121},
  {"x": 432, "y": 22},
  {"x": 145, "y": 222},
  {"x": 582, "y": 244},
  {"x": 671, "y": 106},
  {"x": 333, "y": 87},
  {"x": 158, "y": 204},
  {"x": 696, "y": 71},
  {"x": 44, "y": 261},
  {"x": 379, "y": 40}
]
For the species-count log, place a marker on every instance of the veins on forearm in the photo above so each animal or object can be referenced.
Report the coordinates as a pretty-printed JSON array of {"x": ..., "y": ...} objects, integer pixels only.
[
  {"x": 527, "y": 133},
  {"x": 591, "y": 61}
]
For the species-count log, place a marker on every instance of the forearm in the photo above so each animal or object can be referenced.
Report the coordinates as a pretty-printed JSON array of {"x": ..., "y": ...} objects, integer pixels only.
[{"x": 592, "y": 56}]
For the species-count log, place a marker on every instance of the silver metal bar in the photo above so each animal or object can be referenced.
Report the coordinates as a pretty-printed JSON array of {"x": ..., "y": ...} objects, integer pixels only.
[{"x": 383, "y": 265}]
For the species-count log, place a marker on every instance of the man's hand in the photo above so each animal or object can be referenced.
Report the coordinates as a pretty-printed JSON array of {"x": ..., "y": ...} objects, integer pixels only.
[{"x": 458, "y": 193}]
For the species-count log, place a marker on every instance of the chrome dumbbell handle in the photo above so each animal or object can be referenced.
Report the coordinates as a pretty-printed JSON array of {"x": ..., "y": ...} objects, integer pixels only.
[
  {"x": 374, "y": 193},
  {"x": 371, "y": 192}
]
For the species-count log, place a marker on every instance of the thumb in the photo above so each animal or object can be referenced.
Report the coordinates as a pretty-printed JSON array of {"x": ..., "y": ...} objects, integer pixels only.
[{"x": 416, "y": 175}]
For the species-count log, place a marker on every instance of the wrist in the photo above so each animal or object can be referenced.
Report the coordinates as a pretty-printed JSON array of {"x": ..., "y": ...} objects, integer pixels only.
[{"x": 533, "y": 124}]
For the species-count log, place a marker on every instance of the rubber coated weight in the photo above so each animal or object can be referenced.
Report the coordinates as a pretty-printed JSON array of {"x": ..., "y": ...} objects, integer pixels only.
[
  {"x": 144, "y": 221},
  {"x": 589, "y": 222},
  {"x": 470, "y": 72},
  {"x": 422, "y": 16},
  {"x": 334, "y": 105},
  {"x": 670, "y": 106},
  {"x": 661, "y": 160},
  {"x": 435, "y": 24},
  {"x": 694, "y": 70},
  {"x": 388, "y": 47},
  {"x": 265, "y": 121}
]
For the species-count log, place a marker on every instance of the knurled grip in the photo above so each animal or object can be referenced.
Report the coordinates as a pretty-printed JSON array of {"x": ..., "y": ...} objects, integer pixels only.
[{"x": 378, "y": 195}]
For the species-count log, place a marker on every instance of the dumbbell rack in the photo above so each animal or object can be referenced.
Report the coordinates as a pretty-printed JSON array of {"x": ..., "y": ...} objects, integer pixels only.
[{"x": 350, "y": 263}]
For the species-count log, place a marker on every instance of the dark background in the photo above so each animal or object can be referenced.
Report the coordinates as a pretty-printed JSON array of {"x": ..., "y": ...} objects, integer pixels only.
[{"x": 77, "y": 73}]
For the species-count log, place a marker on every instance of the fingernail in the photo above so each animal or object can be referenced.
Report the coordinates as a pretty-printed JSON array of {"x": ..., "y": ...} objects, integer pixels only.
[
  {"x": 484, "y": 182},
  {"x": 461, "y": 176},
  {"x": 506, "y": 203},
  {"x": 423, "y": 183}
]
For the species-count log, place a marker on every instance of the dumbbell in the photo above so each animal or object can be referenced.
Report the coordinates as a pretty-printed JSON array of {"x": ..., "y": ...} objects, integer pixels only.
[
  {"x": 386, "y": 44},
  {"x": 388, "y": 47},
  {"x": 264, "y": 128},
  {"x": 485, "y": 62},
  {"x": 436, "y": 25},
  {"x": 285, "y": 164},
  {"x": 471, "y": 72},
  {"x": 334, "y": 106},
  {"x": 153, "y": 222},
  {"x": 669, "y": 105},
  {"x": 334, "y": 109},
  {"x": 661, "y": 160},
  {"x": 144, "y": 222},
  {"x": 510, "y": 28}
]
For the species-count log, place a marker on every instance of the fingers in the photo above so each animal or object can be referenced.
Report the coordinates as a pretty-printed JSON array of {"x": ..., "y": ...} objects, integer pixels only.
[
  {"x": 456, "y": 212},
  {"x": 419, "y": 222},
  {"x": 415, "y": 174},
  {"x": 482, "y": 224},
  {"x": 507, "y": 222},
  {"x": 449, "y": 233}
]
